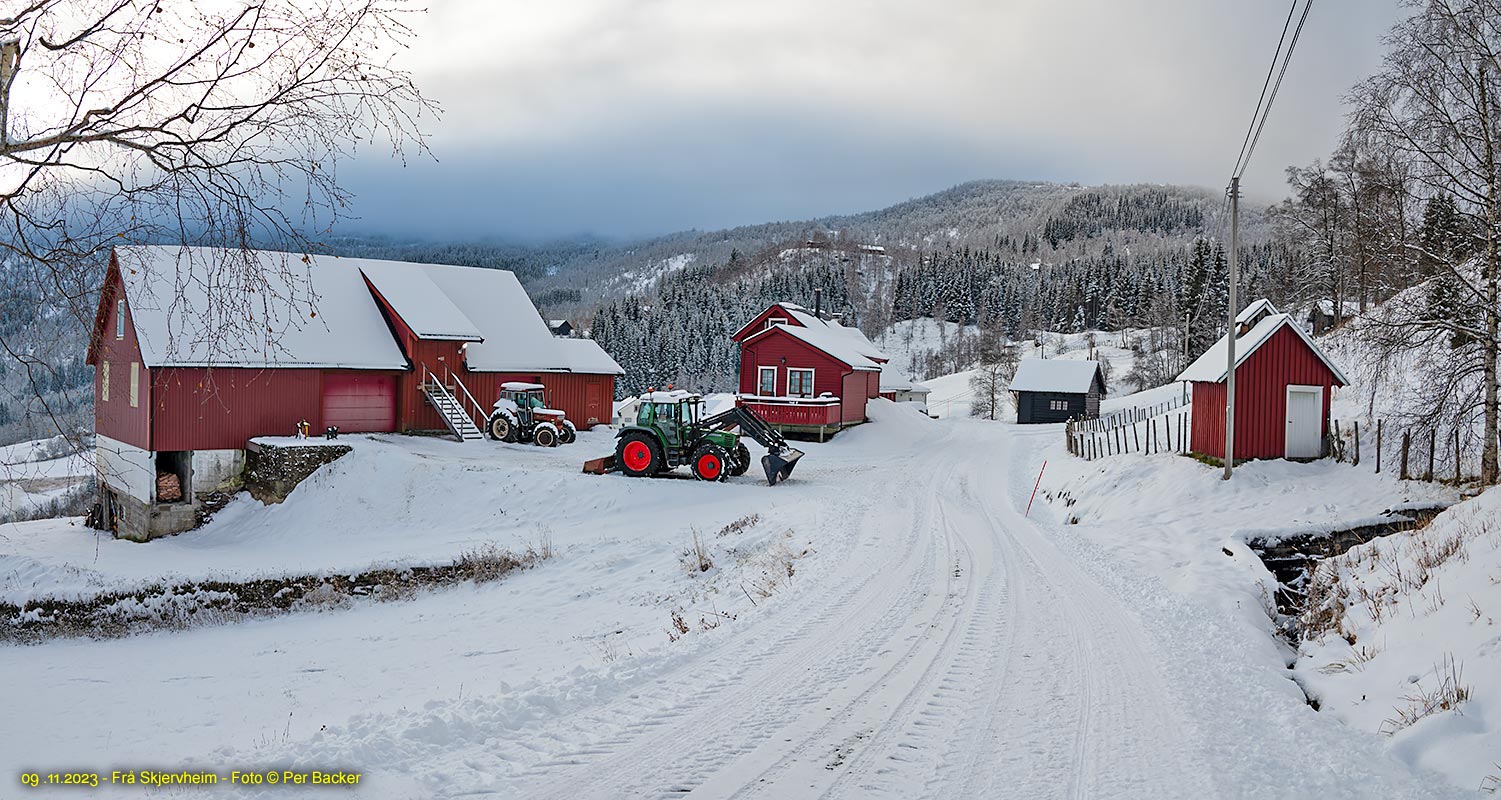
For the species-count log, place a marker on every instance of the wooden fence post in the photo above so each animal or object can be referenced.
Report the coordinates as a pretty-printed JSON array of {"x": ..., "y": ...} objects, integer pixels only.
[
  {"x": 1432, "y": 440},
  {"x": 1339, "y": 451},
  {"x": 1406, "y": 440},
  {"x": 1356, "y": 462},
  {"x": 1456, "y": 456},
  {"x": 1137, "y": 436},
  {"x": 1378, "y": 446}
]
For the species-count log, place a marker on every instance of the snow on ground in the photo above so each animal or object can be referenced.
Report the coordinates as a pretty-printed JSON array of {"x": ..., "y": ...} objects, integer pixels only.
[
  {"x": 1406, "y": 621},
  {"x": 35, "y": 472},
  {"x": 894, "y": 623}
]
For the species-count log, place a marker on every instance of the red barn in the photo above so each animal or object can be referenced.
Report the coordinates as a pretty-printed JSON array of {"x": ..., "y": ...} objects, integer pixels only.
[
  {"x": 806, "y": 373},
  {"x": 1283, "y": 382},
  {"x": 197, "y": 350}
]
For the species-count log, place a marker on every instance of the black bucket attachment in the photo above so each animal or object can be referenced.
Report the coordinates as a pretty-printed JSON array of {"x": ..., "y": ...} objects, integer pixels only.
[{"x": 778, "y": 465}]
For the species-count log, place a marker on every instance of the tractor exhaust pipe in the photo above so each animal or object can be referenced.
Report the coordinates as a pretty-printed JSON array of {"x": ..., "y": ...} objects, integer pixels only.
[{"x": 778, "y": 465}]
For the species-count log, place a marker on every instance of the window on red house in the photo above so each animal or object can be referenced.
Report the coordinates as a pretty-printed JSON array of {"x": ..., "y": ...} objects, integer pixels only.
[{"x": 799, "y": 383}]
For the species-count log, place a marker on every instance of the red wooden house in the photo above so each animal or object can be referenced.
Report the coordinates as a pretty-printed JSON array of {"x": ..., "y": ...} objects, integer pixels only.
[
  {"x": 1283, "y": 383},
  {"x": 198, "y": 350},
  {"x": 806, "y": 373}
]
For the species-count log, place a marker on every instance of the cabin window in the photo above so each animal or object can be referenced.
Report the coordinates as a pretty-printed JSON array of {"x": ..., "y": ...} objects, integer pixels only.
[
  {"x": 799, "y": 382},
  {"x": 1057, "y": 405},
  {"x": 135, "y": 384},
  {"x": 104, "y": 381},
  {"x": 776, "y": 321},
  {"x": 120, "y": 319},
  {"x": 766, "y": 384}
]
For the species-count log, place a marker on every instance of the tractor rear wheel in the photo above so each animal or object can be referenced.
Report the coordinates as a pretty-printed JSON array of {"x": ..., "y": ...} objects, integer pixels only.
[
  {"x": 501, "y": 429},
  {"x": 709, "y": 462},
  {"x": 638, "y": 455},
  {"x": 567, "y": 433},
  {"x": 741, "y": 460}
]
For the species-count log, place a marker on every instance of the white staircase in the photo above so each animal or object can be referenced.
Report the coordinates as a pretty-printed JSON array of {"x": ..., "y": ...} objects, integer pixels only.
[{"x": 442, "y": 398}]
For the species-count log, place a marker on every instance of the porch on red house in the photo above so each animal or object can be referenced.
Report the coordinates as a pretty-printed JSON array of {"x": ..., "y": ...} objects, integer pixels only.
[{"x": 804, "y": 374}]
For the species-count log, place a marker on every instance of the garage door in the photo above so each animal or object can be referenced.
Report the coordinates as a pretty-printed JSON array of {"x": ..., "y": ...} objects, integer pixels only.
[{"x": 360, "y": 403}]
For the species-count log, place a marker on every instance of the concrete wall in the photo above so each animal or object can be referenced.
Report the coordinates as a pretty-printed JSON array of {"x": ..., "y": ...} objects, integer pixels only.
[
  {"x": 125, "y": 468},
  {"x": 217, "y": 470}
]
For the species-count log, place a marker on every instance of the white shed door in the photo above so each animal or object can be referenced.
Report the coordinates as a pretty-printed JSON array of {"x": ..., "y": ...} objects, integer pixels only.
[{"x": 1305, "y": 428}]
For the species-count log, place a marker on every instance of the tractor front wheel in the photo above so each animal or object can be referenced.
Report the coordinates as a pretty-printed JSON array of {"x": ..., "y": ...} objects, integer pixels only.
[
  {"x": 501, "y": 429},
  {"x": 545, "y": 435},
  {"x": 637, "y": 455},
  {"x": 741, "y": 460},
  {"x": 568, "y": 434},
  {"x": 709, "y": 463}
]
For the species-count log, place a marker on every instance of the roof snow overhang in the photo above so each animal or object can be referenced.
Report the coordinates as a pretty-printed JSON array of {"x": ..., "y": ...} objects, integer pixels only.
[
  {"x": 831, "y": 345},
  {"x": 1213, "y": 367}
]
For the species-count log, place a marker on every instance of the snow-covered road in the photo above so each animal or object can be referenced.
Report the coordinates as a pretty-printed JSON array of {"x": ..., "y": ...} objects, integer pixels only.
[
  {"x": 935, "y": 643},
  {"x": 956, "y": 654}
]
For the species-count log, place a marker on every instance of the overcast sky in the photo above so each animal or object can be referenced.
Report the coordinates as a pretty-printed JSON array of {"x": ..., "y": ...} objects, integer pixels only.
[{"x": 633, "y": 117}]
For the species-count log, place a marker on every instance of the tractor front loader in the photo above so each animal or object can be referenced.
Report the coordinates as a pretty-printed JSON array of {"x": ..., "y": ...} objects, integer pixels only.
[{"x": 669, "y": 433}]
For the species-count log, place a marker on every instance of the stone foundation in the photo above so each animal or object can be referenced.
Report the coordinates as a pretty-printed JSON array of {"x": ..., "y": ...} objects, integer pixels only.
[{"x": 272, "y": 470}]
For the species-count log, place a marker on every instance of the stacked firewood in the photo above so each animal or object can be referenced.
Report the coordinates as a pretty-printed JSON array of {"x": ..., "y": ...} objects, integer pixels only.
[{"x": 168, "y": 487}]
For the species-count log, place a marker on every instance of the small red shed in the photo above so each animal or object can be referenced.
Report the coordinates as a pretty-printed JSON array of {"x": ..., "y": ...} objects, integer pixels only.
[
  {"x": 1283, "y": 383},
  {"x": 804, "y": 372}
]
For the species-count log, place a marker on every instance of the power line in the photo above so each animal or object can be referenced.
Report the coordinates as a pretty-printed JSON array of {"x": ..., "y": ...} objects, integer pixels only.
[
  {"x": 1272, "y": 67},
  {"x": 1287, "y": 58}
]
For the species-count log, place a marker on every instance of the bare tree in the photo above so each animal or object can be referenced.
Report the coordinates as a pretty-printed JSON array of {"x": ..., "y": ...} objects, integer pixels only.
[
  {"x": 217, "y": 123},
  {"x": 992, "y": 380},
  {"x": 1434, "y": 104}
]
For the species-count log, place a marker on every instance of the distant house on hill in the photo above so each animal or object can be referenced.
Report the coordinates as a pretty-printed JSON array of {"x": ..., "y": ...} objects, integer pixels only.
[
  {"x": 1057, "y": 390},
  {"x": 561, "y": 327},
  {"x": 901, "y": 390},
  {"x": 1319, "y": 317},
  {"x": 198, "y": 350},
  {"x": 806, "y": 373},
  {"x": 1283, "y": 383}
]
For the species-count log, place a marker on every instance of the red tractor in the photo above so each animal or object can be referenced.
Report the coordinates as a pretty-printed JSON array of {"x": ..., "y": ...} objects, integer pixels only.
[{"x": 521, "y": 415}]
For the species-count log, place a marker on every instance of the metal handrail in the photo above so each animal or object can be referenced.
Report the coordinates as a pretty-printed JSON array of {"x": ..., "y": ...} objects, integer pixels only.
[{"x": 430, "y": 378}]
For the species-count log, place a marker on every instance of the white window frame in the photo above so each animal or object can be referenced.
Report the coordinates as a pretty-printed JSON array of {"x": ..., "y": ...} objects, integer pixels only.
[
  {"x": 761, "y": 381},
  {"x": 770, "y": 321},
  {"x": 104, "y": 382},
  {"x": 135, "y": 384},
  {"x": 812, "y": 375},
  {"x": 120, "y": 318}
]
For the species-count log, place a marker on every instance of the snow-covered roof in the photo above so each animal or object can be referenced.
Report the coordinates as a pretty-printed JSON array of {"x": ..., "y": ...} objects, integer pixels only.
[
  {"x": 831, "y": 342},
  {"x": 892, "y": 382},
  {"x": 1351, "y": 308},
  {"x": 670, "y": 396},
  {"x": 1212, "y": 367},
  {"x": 286, "y": 310},
  {"x": 516, "y": 339},
  {"x": 424, "y": 307},
  {"x": 856, "y": 338},
  {"x": 1054, "y": 375},
  {"x": 201, "y": 307},
  {"x": 1255, "y": 309},
  {"x": 587, "y": 357},
  {"x": 521, "y": 386}
]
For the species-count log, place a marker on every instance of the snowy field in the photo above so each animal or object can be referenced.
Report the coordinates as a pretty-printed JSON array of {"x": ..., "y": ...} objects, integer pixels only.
[
  {"x": 36, "y": 472},
  {"x": 890, "y": 622}
]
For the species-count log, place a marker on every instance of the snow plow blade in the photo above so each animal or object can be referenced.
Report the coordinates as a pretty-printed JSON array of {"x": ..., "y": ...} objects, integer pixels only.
[
  {"x": 600, "y": 466},
  {"x": 779, "y": 465}
]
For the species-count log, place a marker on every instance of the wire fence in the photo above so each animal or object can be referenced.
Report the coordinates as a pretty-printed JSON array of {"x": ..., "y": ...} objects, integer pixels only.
[{"x": 1412, "y": 454}]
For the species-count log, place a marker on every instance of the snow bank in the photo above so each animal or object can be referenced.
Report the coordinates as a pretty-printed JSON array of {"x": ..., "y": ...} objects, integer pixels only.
[{"x": 1402, "y": 624}]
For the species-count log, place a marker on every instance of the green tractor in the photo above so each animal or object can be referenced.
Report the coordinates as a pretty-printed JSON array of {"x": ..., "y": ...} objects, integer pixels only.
[{"x": 669, "y": 433}]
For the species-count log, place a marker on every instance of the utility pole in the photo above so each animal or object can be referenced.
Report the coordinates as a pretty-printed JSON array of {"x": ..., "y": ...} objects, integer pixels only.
[{"x": 1231, "y": 332}]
